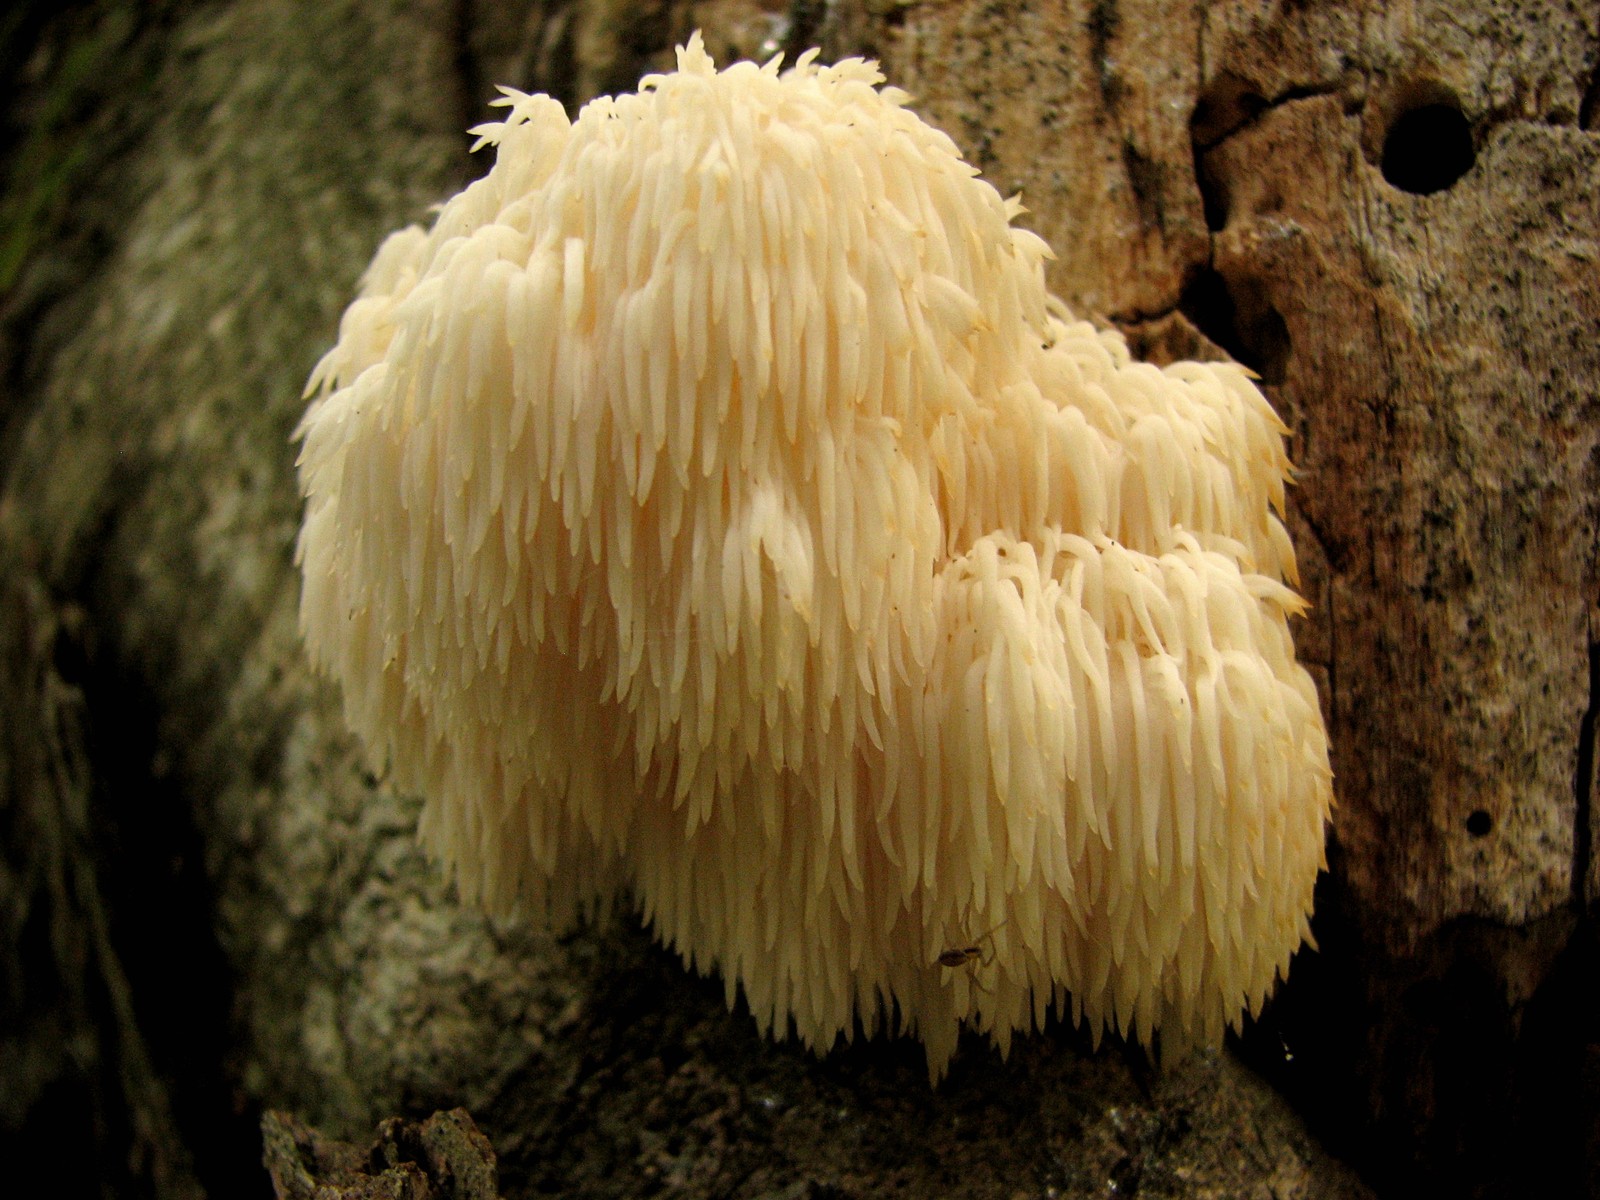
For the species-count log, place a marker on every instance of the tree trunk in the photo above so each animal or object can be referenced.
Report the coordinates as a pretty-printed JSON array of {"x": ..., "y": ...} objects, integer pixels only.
[{"x": 1391, "y": 212}]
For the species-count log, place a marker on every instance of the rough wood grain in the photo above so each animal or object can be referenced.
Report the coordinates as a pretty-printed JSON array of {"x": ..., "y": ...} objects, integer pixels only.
[{"x": 1392, "y": 212}]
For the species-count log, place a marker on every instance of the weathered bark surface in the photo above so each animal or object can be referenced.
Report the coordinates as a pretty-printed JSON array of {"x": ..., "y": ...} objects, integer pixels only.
[
  {"x": 207, "y": 906},
  {"x": 1392, "y": 212},
  {"x": 1434, "y": 353},
  {"x": 444, "y": 1157}
]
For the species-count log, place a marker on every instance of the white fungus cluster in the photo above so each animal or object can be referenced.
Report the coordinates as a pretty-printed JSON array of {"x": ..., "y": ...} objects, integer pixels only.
[{"x": 714, "y": 506}]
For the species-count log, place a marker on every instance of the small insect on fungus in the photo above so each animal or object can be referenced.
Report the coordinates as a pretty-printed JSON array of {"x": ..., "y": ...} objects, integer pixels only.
[{"x": 971, "y": 956}]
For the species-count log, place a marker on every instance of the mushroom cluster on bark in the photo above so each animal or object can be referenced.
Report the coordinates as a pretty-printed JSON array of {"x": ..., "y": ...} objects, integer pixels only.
[{"x": 714, "y": 507}]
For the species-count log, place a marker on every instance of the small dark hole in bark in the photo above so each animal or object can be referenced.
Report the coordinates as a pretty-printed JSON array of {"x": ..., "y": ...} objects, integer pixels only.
[
  {"x": 805, "y": 19},
  {"x": 1213, "y": 195},
  {"x": 1237, "y": 316},
  {"x": 1479, "y": 823},
  {"x": 1428, "y": 148},
  {"x": 1226, "y": 104}
]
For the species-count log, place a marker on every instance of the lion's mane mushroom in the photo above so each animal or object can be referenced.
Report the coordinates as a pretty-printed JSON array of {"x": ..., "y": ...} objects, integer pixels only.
[{"x": 714, "y": 505}]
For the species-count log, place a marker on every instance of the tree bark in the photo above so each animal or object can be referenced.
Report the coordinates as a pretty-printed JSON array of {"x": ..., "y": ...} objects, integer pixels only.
[{"x": 1391, "y": 212}]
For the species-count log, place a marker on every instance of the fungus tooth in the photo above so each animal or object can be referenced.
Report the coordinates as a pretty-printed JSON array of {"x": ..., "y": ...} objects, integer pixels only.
[{"x": 714, "y": 499}]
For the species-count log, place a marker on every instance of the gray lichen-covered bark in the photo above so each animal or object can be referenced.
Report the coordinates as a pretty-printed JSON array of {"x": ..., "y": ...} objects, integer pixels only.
[{"x": 208, "y": 908}]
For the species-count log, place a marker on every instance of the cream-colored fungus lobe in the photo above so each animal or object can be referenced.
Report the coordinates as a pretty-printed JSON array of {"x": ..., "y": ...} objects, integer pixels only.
[{"x": 714, "y": 506}]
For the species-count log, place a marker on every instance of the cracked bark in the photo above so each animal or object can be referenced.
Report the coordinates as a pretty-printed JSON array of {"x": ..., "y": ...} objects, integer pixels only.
[
  {"x": 1434, "y": 354},
  {"x": 1583, "y": 882}
]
